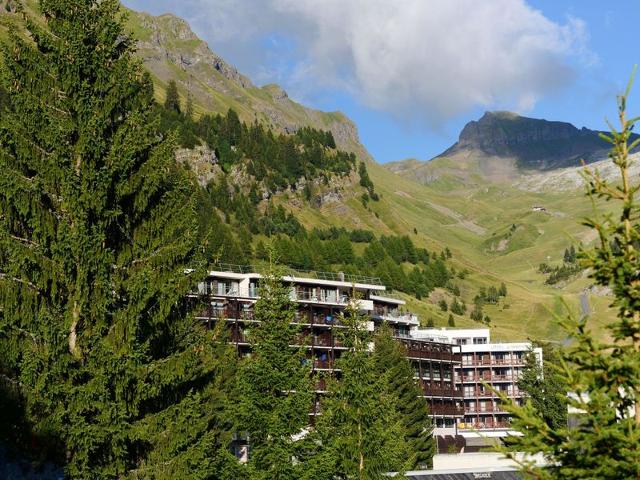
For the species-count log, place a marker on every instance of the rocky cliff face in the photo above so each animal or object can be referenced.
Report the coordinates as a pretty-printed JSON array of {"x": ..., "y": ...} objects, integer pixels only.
[
  {"x": 533, "y": 143},
  {"x": 170, "y": 50}
]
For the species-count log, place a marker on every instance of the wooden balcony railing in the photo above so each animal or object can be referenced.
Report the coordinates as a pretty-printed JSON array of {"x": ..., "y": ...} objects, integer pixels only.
[{"x": 450, "y": 410}]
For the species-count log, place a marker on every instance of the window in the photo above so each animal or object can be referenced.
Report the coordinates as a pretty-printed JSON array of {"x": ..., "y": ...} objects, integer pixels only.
[{"x": 479, "y": 340}]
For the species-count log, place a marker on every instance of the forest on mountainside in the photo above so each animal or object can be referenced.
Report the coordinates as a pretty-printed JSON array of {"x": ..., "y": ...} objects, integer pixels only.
[
  {"x": 246, "y": 223},
  {"x": 104, "y": 371}
]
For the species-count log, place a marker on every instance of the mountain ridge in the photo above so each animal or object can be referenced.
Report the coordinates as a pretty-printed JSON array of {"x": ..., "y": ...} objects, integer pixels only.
[
  {"x": 170, "y": 50},
  {"x": 536, "y": 144},
  {"x": 502, "y": 147},
  {"x": 458, "y": 208}
]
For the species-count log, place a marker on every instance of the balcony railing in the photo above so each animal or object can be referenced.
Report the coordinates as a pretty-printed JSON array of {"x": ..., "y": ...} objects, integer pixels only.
[
  {"x": 302, "y": 296},
  {"x": 333, "y": 276},
  {"x": 425, "y": 353},
  {"x": 430, "y": 391},
  {"x": 489, "y": 378},
  {"x": 483, "y": 425},
  {"x": 396, "y": 316},
  {"x": 466, "y": 362},
  {"x": 226, "y": 313},
  {"x": 484, "y": 409},
  {"x": 449, "y": 410}
]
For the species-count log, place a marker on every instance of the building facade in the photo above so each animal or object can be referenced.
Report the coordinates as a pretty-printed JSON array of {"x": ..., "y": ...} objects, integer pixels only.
[
  {"x": 486, "y": 369},
  {"x": 230, "y": 293},
  {"x": 458, "y": 369}
]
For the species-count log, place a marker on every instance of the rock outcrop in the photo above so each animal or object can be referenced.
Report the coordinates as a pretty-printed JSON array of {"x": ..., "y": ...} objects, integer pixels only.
[
  {"x": 170, "y": 50},
  {"x": 534, "y": 143}
]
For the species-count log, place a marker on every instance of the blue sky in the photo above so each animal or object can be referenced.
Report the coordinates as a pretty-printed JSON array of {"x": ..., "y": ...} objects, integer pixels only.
[{"x": 411, "y": 73}]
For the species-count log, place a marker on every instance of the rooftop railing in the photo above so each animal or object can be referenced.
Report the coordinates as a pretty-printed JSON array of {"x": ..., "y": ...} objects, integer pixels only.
[{"x": 291, "y": 272}]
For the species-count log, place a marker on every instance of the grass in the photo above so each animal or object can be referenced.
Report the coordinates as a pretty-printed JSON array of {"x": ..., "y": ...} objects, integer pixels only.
[
  {"x": 531, "y": 307},
  {"x": 459, "y": 210}
]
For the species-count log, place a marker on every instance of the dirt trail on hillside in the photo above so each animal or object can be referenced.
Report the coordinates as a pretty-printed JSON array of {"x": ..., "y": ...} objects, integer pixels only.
[
  {"x": 458, "y": 217},
  {"x": 468, "y": 224}
]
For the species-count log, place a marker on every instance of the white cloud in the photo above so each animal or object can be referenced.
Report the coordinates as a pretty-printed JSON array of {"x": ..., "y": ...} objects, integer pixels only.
[{"x": 418, "y": 59}]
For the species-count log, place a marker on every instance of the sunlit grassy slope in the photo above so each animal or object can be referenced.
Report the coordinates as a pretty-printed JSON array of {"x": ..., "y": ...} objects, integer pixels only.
[
  {"x": 467, "y": 218},
  {"x": 490, "y": 227}
]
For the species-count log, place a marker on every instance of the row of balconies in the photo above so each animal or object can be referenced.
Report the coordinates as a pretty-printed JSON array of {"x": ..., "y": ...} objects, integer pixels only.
[
  {"x": 491, "y": 377},
  {"x": 508, "y": 360},
  {"x": 488, "y": 393},
  {"x": 486, "y": 424},
  {"x": 300, "y": 340}
]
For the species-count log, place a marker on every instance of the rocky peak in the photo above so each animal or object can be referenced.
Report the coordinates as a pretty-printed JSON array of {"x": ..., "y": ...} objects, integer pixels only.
[
  {"x": 533, "y": 143},
  {"x": 496, "y": 129},
  {"x": 170, "y": 38}
]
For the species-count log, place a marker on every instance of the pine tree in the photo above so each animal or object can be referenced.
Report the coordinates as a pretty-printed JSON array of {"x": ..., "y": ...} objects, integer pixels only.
[
  {"x": 275, "y": 394},
  {"x": 172, "y": 100},
  {"x": 451, "y": 322},
  {"x": 188, "y": 112},
  {"x": 97, "y": 229},
  {"x": 443, "y": 305},
  {"x": 503, "y": 290},
  {"x": 604, "y": 375},
  {"x": 360, "y": 430},
  {"x": 391, "y": 363},
  {"x": 544, "y": 387}
]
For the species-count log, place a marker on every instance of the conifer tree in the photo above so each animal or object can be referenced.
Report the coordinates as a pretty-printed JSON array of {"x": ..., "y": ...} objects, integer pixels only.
[
  {"x": 392, "y": 364},
  {"x": 275, "y": 393},
  {"x": 361, "y": 431},
  {"x": 545, "y": 387},
  {"x": 603, "y": 375},
  {"x": 97, "y": 229},
  {"x": 172, "y": 100}
]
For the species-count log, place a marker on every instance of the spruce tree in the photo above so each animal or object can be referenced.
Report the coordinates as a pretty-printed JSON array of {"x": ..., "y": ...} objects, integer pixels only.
[
  {"x": 274, "y": 393},
  {"x": 361, "y": 431},
  {"x": 603, "y": 374},
  {"x": 97, "y": 231},
  {"x": 544, "y": 387},
  {"x": 391, "y": 363},
  {"x": 172, "y": 100}
]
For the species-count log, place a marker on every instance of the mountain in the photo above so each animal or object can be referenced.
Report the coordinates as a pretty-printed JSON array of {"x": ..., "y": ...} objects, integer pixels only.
[
  {"x": 535, "y": 144},
  {"x": 501, "y": 146},
  {"x": 493, "y": 228},
  {"x": 170, "y": 50}
]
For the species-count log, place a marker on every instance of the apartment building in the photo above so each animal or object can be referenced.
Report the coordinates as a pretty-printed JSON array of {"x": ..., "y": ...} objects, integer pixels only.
[
  {"x": 230, "y": 292},
  {"x": 486, "y": 368}
]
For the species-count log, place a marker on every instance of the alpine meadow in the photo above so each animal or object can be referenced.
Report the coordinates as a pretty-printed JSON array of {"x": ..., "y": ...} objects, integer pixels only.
[{"x": 202, "y": 278}]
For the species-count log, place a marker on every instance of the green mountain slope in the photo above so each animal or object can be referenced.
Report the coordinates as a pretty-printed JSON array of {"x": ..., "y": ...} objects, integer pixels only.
[
  {"x": 471, "y": 203},
  {"x": 171, "y": 51}
]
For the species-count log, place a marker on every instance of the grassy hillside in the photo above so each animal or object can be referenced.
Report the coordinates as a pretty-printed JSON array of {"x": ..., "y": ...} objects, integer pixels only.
[
  {"x": 488, "y": 224},
  {"x": 171, "y": 51},
  {"x": 468, "y": 219}
]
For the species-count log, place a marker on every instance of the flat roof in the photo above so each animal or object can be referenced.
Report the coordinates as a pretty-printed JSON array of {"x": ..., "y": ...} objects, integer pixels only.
[
  {"x": 386, "y": 299},
  {"x": 497, "y": 347},
  {"x": 298, "y": 279}
]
